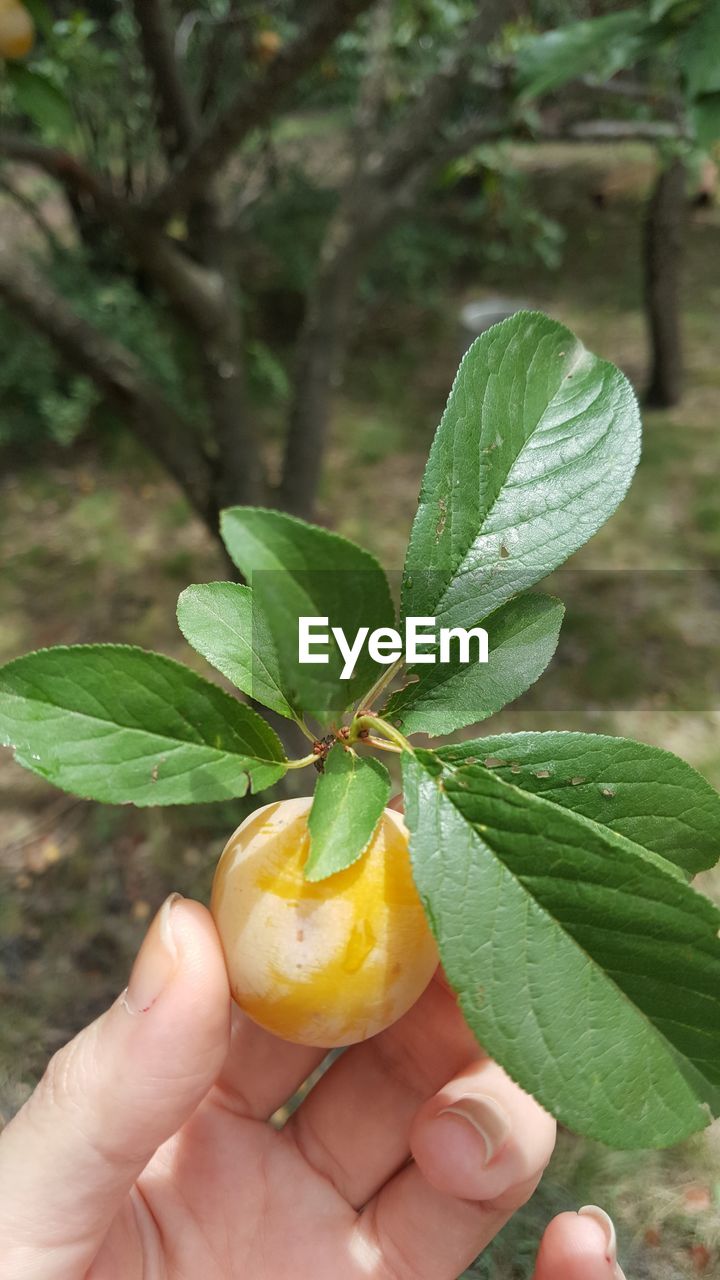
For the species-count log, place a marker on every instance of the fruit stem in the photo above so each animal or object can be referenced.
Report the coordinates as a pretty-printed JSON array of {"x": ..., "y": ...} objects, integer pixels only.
[
  {"x": 303, "y": 762},
  {"x": 380, "y": 684},
  {"x": 303, "y": 728},
  {"x": 365, "y": 721},
  {"x": 382, "y": 744}
]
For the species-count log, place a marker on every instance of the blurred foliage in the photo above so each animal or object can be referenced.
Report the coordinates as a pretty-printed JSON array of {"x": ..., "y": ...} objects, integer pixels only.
[
  {"x": 482, "y": 212},
  {"x": 284, "y": 231},
  {"x": 88, "y": 60},
  {"x": 42, "y": 400},
  {"x": 85, "y": 86}
]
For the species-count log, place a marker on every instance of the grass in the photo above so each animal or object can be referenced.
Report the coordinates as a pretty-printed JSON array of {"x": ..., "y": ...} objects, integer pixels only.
[{"x": 101, "y": 546}]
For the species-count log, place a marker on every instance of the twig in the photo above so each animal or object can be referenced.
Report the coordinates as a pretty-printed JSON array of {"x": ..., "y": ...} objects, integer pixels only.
[
  {"x": 117, "y": 372},
  {"x": 52, "y": 815},
  {"x": 254, "y": 103},
  {"x": 175, "y": 110},
  {"x": 31, "y": 209}
]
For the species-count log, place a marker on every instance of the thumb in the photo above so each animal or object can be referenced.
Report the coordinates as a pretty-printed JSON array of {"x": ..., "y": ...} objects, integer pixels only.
[
  {"x": 579, "y": 1246},
  {"x": 111, "y": 1097}
]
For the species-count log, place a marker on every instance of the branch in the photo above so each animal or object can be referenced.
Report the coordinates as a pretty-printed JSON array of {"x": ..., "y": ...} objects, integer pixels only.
[
  {"x": 416, "y": 131},
  {"x": 387, "y": 179},
  {"x": 32, "y": 210},
  {"x": 477, "y": 131},
  {"x": 59, "y": 164},
  {"x": 175, "y": 112},
  {"x": 481, "y": 130},
  {"x": 373, "y": 87},
  {"x": 616, "y": 131},
  {"x": 254, "y": 104},
  {"x": 196, "y": 292},
  {"x": 116, "y": 372},
  {"x": 633, "y": 91}
]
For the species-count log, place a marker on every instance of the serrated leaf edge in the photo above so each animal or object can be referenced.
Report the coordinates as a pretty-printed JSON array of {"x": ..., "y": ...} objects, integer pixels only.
[
  {"x": 682, "y": 1064},
  {"x": 315, "y": 879},
  {"x": 338, "y": 538},
  {"x": 291, "y": 713},
  {"x": 172, "y": 662}
]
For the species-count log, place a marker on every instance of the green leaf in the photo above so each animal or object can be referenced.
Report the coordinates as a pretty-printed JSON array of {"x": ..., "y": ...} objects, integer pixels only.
[
  {"x": 225, "y": 625},
  {"x": 349, "y": 800},
  {"x": 705, "y": 119},
  {"x": 536, "y": 448},
  {"x": 646, "y": 794},
  {"x": 40, "y": 15},
  {"x": 657, "y": 9},
  {"x": 583, "y": 965},
  {"x": 37, "y": 97},
  {"x": 598, "y": 47},
  {"x": 522, "y": 638},
  {"x": 117, "y": 724},
  {"x": 700, "y": 51},
  {"x": 298, "y": 570}
]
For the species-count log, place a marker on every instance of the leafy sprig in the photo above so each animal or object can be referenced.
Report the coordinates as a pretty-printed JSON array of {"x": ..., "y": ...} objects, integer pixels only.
[{"x": 554, "y": 868}]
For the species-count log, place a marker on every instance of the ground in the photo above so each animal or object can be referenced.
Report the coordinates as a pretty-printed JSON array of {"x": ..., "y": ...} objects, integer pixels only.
[{"x": 98, "y": 546}]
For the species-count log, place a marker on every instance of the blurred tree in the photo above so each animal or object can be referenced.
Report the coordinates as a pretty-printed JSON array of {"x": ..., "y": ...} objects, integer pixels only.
[
  {"x": 664, "y": 234},
  {"x": 159, "y": 124},
  {"x": 171, "y": 130},
  {"x": 660, "y": 56}
]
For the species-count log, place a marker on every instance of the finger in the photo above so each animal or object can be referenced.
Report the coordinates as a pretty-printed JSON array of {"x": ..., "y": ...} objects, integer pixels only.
[
  {"x": 260, "y": 1072},
  {"x": 479, "y": 1150},
  {"x": 481, "y": 1135},
  {"x": 354, "y": 1126},
  {"x": 111, "y": 1097},
  {"x": 579, "y": 1246}
]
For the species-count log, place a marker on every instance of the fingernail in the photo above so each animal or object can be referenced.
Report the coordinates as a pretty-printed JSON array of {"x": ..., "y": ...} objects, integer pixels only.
[
  {"x": 604, "y": 1220},
  {"x": 486, "y": 1117},
  {"x": 156, "y": 961}
]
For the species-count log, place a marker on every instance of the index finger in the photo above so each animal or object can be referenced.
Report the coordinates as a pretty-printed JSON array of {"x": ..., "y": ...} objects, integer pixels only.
[
  {"x": 579, "y": 1246},
  {"x": 261, "y": 1071}
]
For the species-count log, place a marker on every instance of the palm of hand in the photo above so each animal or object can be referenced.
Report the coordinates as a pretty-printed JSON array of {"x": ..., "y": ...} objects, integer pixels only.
[
  {"x": 147, "y": 1152},
  {"x": 332, "y": 1194}
]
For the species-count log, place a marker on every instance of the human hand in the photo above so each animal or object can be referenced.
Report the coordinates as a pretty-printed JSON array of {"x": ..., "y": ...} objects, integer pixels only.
[{"x": 146, "y": 1152}]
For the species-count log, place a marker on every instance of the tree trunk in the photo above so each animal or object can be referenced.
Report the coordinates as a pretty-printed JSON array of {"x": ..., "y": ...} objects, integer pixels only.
[
  {"x": 238, "y": 468},
  {"x": 322, "y": 344},
  {"x": 663, "y": 247}
]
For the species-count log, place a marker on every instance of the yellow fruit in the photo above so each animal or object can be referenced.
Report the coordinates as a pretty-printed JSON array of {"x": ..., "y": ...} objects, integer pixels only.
[
  {"x": 17, "y": 31},
  {"x": 267, "y": 45},
  {"x": 328, "y": 963}
]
